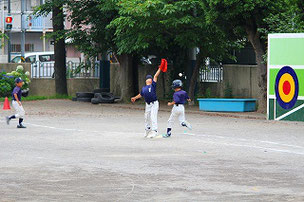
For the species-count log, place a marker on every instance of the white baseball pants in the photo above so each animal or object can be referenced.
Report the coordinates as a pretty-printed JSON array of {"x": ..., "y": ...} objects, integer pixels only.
[
  {"x": 151, "y": 113},
  {"x": 19, "y": 109},
  {"x": 177, "y": 111}
]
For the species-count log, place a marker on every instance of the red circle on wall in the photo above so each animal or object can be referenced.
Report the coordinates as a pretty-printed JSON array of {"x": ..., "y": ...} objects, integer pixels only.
[{"x": 286, "y": 87}]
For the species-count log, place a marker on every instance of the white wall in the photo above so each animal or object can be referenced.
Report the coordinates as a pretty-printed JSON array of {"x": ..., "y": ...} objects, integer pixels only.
[
  {"x": 30, "y": 38},
  {"x": 16, "y": 14}
]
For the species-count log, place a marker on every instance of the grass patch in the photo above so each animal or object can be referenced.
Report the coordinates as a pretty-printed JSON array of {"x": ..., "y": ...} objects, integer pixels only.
[{"x": 33, "y": 98}]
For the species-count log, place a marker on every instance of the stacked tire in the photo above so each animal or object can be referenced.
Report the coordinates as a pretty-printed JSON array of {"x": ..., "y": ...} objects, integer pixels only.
[
  {"x": 101, "y": 90},
  {"x": 84, "y": 96},
  {"x": 103, "y": 97}
]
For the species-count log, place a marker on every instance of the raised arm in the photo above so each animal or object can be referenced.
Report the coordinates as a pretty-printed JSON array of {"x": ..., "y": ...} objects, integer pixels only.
[{"x": 156, "y": 75}]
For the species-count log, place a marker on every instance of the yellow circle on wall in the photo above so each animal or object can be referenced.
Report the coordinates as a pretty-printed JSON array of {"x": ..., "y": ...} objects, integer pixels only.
[{"x": 286, "y": 87}]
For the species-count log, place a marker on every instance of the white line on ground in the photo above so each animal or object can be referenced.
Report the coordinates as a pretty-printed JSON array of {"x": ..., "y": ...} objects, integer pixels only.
[
  {"x": 255, "y": 147},
  {"x": 77, "y": 130},
  {"x": 287, "y": 145},
  {"x": 71, "y": 129},
  {"x": 130, "y": 192},
  {"x": 198, "y": 135},
  {"x": 243, "y": 139}
]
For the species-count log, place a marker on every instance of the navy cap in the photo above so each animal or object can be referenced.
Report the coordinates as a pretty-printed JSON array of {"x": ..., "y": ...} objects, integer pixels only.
[
  {"x": 18, "y": 80},
  {"x": 149, "y": 77}
]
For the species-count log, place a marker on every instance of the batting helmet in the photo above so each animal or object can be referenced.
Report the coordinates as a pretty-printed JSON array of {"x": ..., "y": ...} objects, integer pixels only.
[{"x": 177, "y": 84}]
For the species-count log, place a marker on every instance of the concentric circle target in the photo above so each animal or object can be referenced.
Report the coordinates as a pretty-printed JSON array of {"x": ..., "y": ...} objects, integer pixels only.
[{"x": 287, "y": 87}]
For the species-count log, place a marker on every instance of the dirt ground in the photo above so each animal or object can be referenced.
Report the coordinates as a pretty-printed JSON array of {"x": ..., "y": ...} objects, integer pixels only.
[{"x": 81, "y": 152}]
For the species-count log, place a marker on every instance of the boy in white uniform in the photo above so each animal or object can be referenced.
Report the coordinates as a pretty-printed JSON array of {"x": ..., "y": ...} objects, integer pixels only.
[
  {"x": 180, "y": 97},
  {"x": 16, "y": 96},
  {"x": 152, "y": 104}
]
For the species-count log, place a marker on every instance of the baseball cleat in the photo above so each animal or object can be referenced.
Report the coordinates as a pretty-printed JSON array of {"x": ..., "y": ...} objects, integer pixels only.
[
  {"x": 7, "y": 120},
  {"x": 21, "y": 126},
  {"x": 147, "y": 133},
  {"x": 148, "y": 130},
  {"x": 187, "y": 124},
  {"x": 166, "y": 135},
  {"x": 152, "y": 134}
]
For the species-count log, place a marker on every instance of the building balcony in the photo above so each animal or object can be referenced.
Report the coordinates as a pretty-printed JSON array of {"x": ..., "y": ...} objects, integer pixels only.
[
  {"x": 38, "y": 23},
  {"x": 31, "y": 23}
]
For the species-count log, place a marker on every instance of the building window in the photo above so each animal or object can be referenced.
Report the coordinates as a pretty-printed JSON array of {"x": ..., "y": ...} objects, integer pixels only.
[
  {"x": 16, "y": 48},
  {"x": 29, "y": 47}
]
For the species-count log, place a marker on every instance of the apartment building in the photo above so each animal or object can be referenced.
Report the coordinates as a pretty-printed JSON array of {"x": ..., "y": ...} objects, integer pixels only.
[{"x": 36, "y": 29}]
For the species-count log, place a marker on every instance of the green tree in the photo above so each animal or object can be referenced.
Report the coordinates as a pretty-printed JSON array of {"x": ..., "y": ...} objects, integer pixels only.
[
  {"x": 89, "y": 19},
  {"x": 133, "y": 28},
  {"x": 167, "y": 26},
  {"x": 89, "y": 32},
  {"x": 58, "y": 17},
  {"x": 92, "y": 35},
  {"x": 253, "y": 19}
]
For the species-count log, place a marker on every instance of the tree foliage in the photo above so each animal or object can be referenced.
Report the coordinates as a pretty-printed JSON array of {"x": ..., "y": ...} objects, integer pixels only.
[
  {"x": 290, "y": 20},
  {"x": 90, "y": 18},
  {"x": 135, "y": 26},
  {"x": 143, "y": 25},
  {"x": 170, "y": 28},
  {"x": 254, "y": 19}
]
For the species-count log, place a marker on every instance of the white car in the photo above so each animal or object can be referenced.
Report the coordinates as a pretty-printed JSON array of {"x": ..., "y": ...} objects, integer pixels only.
[
  {"x": 35, "y": 57},
  {"x": 42, "y": 63}
]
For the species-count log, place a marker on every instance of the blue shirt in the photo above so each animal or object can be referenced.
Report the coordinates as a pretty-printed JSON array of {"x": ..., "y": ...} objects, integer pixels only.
[
  {"x": 17, "y": 90},
  {"x": 180, "y": 97},
  {"x": 149, "y": 92}
]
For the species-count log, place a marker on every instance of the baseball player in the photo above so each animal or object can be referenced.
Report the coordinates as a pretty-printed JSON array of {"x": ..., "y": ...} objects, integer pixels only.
[
  {"x": 148, "y": 92},
  {"x": 16, "y": 95},
  {"x": 180, "y": 97}
]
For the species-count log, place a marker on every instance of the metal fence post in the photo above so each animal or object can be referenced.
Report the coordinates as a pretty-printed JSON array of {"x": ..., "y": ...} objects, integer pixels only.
[{"x": 104, "y": 75}]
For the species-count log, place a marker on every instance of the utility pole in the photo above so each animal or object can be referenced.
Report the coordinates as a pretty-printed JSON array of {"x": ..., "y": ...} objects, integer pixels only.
[
  {"x": 22, "y": 28},
  {"x": 3, "y": 29},
  {"x": 9, "y": 33},
  {"x": 104, "y": 72},
  {"x": 43, "y": 31}
]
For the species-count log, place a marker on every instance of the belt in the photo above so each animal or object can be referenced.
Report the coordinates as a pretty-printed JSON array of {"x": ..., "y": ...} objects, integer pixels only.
[
  {"x": 151, "y": 102},
  {"x": 178, "y": 104}
]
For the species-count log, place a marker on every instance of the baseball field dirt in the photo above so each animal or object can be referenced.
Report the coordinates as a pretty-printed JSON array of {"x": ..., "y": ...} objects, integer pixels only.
[{"x": 73, "y": 151}]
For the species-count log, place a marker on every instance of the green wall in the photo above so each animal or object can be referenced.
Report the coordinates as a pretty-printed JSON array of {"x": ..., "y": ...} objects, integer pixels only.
[
  {"x": 296, "y": 116},
  {"x": 285, "y": 50}
]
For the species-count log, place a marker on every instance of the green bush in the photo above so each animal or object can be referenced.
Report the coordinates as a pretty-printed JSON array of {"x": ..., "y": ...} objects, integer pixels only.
[
  {"x": 228, "y": 91},
  {"x": 7, "y": 80},
  {"x": 5, "y": 89},
  {"x": 208, "y": 93}
]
